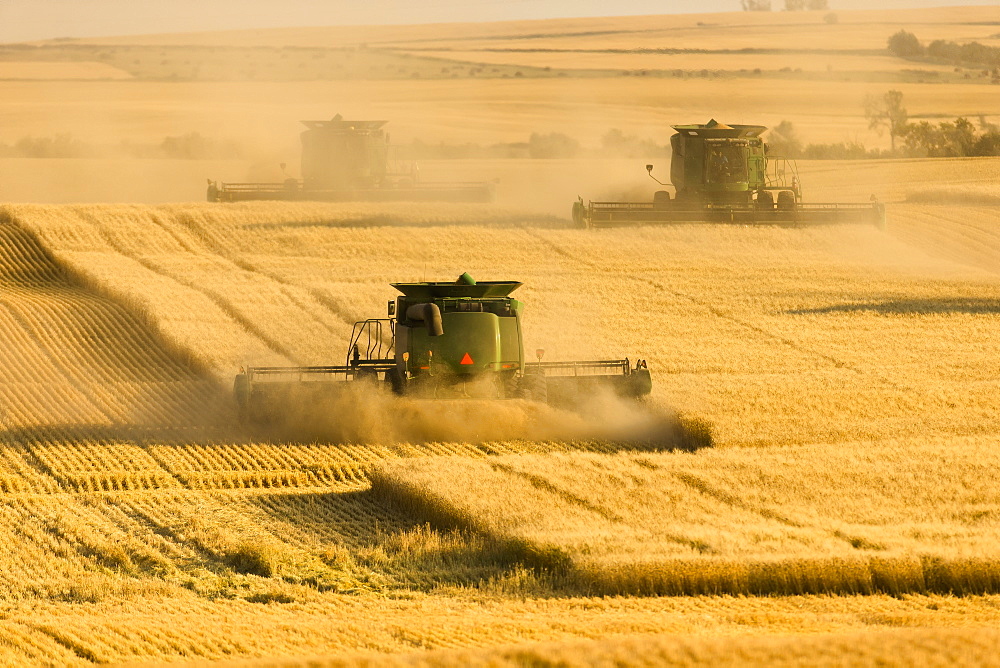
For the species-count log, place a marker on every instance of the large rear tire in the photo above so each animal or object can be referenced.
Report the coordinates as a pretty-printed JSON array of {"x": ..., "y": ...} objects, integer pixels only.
[
  {"x": 765, "y": 201},
  {"x": 396, "y": 382},
  {"x": 879, "y": 213},
  {"x": 534, "y": 387},
  {"x": 241, "y": 395},
  {"x": 580, "y": 214},
  {"x": 786, "y": 200},
  {"x": 661, "y": 200}
]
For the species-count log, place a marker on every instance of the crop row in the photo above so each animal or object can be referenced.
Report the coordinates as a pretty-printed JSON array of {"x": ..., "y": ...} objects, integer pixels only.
[
  {"x": 72, "y": 356},
  {"x": 361, "y": 631}
]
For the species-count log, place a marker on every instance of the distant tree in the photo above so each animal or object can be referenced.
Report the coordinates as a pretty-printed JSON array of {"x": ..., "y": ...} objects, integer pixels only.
[
  {"x": 944, "y": 140},
  {"x": 818, "y": 6},
  {"x": 887, "y": 112},
  {"x": 756, "y": 5},
  {"x": 795, "y": 5},
  {"x": 849, "y": 150},
  {"x": 923, "y": 139},
  {"x": 987, "y": 144},
  {"x": 939, "y": 48},
  {"x": 60, "y": 146},
  {"x": 905, "y": 44},
  {"x": 960, "y": 135},
  {"x": 973, "y": 52}
]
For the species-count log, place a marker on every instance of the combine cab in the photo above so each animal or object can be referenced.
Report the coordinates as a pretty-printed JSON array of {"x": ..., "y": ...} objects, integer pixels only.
[
  {"x": 442, "y": 341},
  {"x": 723, "y": 174},
  {"x": 349, "y": 161}
]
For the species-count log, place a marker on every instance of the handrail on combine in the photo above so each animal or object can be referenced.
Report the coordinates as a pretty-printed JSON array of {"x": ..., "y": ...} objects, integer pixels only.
[
  {"x": 777, "y": 175},
  {"x": 368, "y": 341}
]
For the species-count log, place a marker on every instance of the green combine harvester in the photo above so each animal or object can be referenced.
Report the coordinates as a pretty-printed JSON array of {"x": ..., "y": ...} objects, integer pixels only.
[
  {"x": 724, "y": 174},
  {"x": 444, "y": 340}
]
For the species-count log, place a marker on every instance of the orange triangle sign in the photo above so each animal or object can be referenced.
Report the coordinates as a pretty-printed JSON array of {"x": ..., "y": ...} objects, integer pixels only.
[{"x": 467, "y": 359}]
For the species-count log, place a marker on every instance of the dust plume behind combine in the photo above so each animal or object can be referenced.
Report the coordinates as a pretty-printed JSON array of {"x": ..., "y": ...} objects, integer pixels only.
[{"x": 369, "y": 413}]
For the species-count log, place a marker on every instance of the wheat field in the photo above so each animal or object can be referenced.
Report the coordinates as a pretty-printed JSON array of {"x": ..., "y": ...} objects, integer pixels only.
[
  {"x": 274, "y": 283},
  {"x": 828, "y": 347},
  {"x": 846, "y": 377}
]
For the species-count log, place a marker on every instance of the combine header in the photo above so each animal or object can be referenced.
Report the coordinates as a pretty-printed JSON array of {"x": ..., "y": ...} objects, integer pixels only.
[
  {"x": 442, "y": 341},
  {"x": 724, "y": 174},
  {"x": 349, "y": 161}
]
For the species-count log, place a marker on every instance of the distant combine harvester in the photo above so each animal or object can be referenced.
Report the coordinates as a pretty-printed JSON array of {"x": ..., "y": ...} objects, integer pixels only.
[
  {"x": 349, "y": 161},
  {"x": 725, "y": 174}
]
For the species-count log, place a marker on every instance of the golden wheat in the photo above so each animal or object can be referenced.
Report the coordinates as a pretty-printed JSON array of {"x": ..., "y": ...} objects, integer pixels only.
[
  {"x": 137, "y": 523},
  {"x": 186, "y": 627},
  {"x": 831, "y": 334},
  {"x": 942, "y": 648},
  {"x": 907, "y": 516}
]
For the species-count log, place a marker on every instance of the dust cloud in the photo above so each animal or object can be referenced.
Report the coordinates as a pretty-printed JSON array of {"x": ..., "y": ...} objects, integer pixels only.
[{"x": 369, "y": 413}]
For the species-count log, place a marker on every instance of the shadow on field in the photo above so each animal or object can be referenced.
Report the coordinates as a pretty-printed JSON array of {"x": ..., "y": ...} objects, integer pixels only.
[
  {"x": 363, "y": 531},
  {"x": 942, "y": 306}
]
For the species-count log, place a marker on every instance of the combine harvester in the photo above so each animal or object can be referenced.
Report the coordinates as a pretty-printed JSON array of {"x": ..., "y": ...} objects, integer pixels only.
[
  {"x": 723, "y": 174},
  {"x": 349, "y": 161},
  {"x": 441, "y": 341}
]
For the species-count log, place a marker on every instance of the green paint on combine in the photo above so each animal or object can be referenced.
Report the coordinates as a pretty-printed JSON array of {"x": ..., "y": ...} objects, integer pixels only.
[
  {"x": 725, "y": 174},
  {"x": 445, "y": 340}
]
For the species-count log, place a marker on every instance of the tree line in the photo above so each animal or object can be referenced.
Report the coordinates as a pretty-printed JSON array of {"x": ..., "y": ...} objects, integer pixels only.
[
  {"x": 886, "y": 113},
  {"x": 957, "y": 138},
  {"x": 906, "y": 45}
]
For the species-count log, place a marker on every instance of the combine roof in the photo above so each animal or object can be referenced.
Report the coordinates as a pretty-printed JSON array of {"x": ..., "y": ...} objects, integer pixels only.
[
  {"x": 715, "y": 129},
  {"x": 481, "y": 289},
  {"x": 338, "y": 124}
]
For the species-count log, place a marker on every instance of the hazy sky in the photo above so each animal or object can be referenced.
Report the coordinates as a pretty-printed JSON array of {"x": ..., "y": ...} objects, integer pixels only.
[{"x": 38, "y": 19}]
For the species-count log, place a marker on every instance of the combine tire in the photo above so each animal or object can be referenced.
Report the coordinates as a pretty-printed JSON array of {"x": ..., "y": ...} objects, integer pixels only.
[
  {"x": 786, "y": 201},
  {"x": 534, "y": 387},
  {"x": 241, "y": 393},
  {"x": 765, "y": 201},
  {"x": 879, "y": 213},
  {"x": 396, "y": 382},
  {"x": 661, "y": 200},
  {"x": 580, "y": 214}
]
